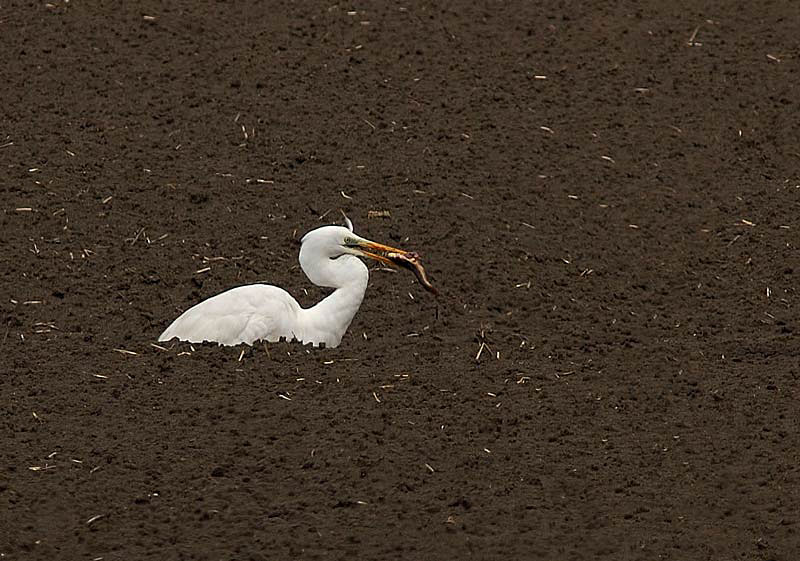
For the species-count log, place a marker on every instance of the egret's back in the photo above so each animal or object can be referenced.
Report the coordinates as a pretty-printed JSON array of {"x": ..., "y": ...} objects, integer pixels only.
[{"x": 240, "y": 315}]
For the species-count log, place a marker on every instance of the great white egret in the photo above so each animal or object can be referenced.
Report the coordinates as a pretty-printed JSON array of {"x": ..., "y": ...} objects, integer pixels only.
[{"x": 329, "y": 256}]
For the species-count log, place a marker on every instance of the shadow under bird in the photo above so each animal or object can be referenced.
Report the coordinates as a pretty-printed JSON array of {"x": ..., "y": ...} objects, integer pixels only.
[{"x": 329, "y": 256}]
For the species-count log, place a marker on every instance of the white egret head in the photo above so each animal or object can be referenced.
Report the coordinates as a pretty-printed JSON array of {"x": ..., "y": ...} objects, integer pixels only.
[{"x": 331, "y": 242}]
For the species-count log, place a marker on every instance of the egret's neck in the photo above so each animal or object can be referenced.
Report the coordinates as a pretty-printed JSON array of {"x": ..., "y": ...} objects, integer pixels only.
[{"x": 327, "y": 321}]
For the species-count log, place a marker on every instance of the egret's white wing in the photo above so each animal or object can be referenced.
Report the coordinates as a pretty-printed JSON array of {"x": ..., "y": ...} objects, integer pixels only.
[{"x": 240, "y": 315}]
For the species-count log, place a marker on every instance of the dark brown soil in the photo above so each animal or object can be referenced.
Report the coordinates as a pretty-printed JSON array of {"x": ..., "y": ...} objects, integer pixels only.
[{"x": 609, "y": 209}]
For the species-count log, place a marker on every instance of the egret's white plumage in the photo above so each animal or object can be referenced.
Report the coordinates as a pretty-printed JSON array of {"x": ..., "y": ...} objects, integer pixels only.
[{"x": 328, "y": 257}]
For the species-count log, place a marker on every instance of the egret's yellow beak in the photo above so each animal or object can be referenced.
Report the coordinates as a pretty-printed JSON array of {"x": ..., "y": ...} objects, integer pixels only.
[
  {"x": 395, "y": 258},
  {"x": 378, "y": 252}
]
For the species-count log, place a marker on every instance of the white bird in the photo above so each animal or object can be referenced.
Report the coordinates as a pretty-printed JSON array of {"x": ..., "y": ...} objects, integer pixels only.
[{"x": 329, "y": 256}]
